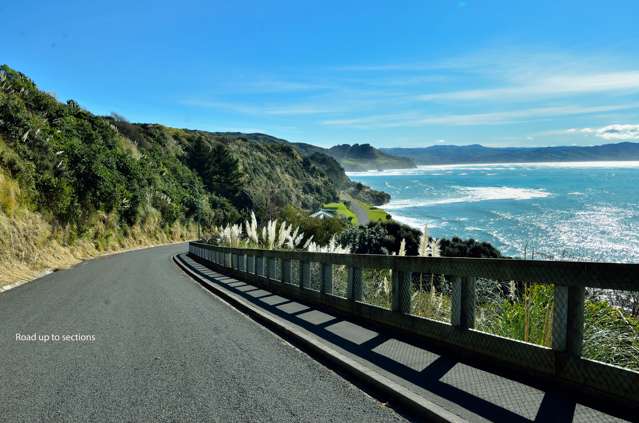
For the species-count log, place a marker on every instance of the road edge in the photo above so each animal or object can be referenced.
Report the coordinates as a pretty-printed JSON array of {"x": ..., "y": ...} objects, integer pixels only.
[{"x": 419, "y": 405}]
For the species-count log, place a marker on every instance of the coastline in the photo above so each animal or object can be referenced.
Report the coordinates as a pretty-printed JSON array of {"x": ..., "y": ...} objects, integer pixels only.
[{"x": 584, "y": 211}]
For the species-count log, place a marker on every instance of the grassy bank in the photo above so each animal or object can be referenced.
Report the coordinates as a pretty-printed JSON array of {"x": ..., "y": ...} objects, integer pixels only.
[{"x": 31, "y": 245}]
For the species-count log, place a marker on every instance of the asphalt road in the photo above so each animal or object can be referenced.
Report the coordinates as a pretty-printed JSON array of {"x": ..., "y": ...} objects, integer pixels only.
[
  {"x": 362, "y": 216},
  {"x": 164, "y": 350}
]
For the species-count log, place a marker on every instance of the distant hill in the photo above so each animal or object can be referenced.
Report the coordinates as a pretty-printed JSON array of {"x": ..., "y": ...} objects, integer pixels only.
[
  {"x": 475, "y": 153},
  {"x": 361, "y": 157}
]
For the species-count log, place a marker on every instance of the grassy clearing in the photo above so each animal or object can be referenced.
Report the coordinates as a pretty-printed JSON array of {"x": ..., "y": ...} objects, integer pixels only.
[
  {"x": 342, "y": 210},
  {"x": 375, "y": 214}
]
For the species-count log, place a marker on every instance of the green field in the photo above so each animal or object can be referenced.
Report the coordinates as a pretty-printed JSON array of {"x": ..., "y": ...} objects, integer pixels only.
[
  {"x": 342, "y": 210},
  {"x": 374, "y": 214}
]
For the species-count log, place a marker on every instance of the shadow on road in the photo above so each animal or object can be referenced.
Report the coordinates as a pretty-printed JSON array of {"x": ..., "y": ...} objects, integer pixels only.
[{"x": 470, "y": 391}]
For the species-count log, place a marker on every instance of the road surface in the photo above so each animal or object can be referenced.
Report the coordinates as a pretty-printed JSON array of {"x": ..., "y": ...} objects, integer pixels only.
[
  {"x": 362, "y": 215},
  {"x": 164, "y": 350}
]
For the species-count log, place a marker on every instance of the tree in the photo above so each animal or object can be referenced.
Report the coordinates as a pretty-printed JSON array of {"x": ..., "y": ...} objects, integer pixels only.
[
  {"x": 225, "y": 175},
  {"x": 220, "y": 170}
]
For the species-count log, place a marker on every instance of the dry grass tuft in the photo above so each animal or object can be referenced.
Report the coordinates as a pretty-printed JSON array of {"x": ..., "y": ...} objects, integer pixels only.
[
  {"x": 29, "y": 245},
  {"x": 9, "y": 193}
]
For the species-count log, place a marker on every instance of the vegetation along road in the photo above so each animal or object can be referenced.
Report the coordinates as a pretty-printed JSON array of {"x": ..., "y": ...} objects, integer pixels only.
[{"x": 140, "y": 341}]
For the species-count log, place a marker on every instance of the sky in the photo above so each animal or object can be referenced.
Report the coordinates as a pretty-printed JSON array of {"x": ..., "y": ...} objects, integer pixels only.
[{"x": 392, "y": 74}]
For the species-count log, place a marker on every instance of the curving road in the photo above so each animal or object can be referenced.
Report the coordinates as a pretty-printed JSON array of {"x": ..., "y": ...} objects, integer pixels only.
[
  {"x": 164, "y": 350},
  {"x": 362, "y": 215}
]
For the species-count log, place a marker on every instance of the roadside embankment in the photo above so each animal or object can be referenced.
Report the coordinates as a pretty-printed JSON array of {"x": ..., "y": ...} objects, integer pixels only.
[{"x": 31, "y": 247}]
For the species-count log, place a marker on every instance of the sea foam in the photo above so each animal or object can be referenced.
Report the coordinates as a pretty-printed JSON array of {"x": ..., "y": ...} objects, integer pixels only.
[
  {"x": 437, "y": 169},
  {"x": 471, "y": 195}
]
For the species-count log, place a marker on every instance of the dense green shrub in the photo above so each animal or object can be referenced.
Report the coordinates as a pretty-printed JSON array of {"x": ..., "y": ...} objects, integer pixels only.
[
  {"x": 385, "y": 238},
  {"x": 320, "y": 229},
  {"x": 457, "y": 247}
]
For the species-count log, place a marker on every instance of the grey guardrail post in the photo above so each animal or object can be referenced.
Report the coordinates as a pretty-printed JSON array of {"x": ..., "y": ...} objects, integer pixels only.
[
  {"x": 259, "y": 265},
  {"x": 267, "y": 268},
  {"x": 286, "y": 270},
  {"x": 354, "y": 284},
  {"x": 400, "y": 294},
  {"x": 249, "y": 263},
  {"x": 463, "y": 303},
  {"x": 568, "y": 319},
  {"x": 270, "y": 263},
  {"x": 304, "y": 275},
  {"x": 326, "y": 278},
  {"x": 243, "y": 257}
]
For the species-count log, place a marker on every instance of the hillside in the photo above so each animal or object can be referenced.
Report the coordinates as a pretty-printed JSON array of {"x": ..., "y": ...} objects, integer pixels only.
[
  {"x": 69, "y": 178},
  {"x": 361, "y": 157},
  {"x": 453, "y": 154}
]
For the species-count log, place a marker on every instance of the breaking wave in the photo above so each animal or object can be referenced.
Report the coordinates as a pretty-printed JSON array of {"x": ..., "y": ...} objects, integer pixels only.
[{"x": 472, "y": 195}]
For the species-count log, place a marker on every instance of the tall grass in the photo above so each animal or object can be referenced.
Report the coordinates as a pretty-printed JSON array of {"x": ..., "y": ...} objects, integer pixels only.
[
  {"x": 31, "y": 245},
  {"x": 9, "y": 193},
  {"x": 272, "y": 235}
]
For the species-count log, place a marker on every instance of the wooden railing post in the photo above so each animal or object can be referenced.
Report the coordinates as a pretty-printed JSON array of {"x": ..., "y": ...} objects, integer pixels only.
[
  {"x": 568, "y": 319},
  {"x": 463, "y": 303},
  {"x": 354, "y": 284},
  {"x": 326, "y": 278},
  {"x": 401, "y": 292}
]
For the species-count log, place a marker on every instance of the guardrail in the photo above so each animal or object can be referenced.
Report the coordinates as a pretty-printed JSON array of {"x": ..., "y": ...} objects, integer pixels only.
[{"x": 289, "y": 273}]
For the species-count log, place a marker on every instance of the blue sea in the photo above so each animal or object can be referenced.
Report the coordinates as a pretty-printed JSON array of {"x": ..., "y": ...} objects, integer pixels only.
[{"x": 571, "y": 211}]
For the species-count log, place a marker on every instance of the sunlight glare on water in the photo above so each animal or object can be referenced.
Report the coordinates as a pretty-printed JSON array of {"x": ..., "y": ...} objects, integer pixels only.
[{"x": 574, "y": 211}]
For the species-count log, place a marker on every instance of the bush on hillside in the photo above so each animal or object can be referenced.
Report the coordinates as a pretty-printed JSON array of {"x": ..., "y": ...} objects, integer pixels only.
[
  {"x": 322, "y": 230},
  {"x": 385, "y": 238}
]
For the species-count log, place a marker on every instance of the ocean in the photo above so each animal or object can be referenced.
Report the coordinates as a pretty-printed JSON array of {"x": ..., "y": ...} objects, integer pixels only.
[{"x": 586, "y": 211}]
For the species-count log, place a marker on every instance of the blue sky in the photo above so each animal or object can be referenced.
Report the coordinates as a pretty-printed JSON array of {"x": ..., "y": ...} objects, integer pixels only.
[{"x": 406, "y": 73}]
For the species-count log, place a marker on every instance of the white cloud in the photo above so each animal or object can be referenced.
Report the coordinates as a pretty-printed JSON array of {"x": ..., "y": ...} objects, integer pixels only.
[
  {"x": 548, "y": 86},
  {"x": 615, "y": 132},
  {"x": 490, "y": 118},
  {"x": 272, "y": 110}
]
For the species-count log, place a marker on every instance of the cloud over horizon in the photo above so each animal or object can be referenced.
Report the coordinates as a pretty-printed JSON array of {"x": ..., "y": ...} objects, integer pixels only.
[{"x": 616, "y": 132}]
